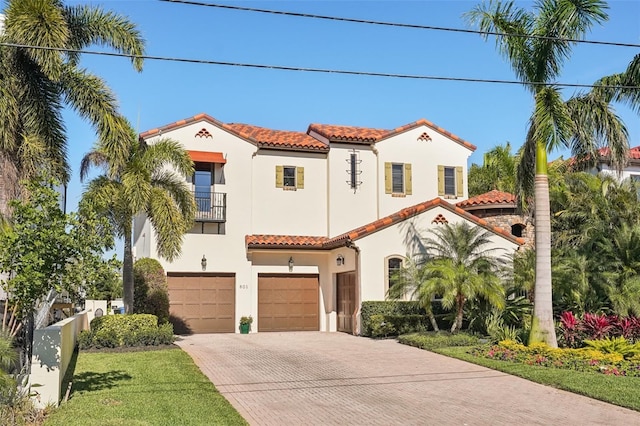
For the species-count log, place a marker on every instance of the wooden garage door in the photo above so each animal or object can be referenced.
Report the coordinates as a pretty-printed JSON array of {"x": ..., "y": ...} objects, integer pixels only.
[
  {"x": 288, "y": 303},
  {"x": 203, "y": 303}
]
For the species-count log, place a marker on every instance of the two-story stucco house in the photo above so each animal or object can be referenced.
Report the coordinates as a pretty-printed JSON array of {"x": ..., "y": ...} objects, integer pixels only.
[{"x": 298, "y": 228}]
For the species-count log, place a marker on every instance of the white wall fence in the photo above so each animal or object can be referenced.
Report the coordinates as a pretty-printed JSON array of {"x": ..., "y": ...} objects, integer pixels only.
[{"x": 53, "y": 348}]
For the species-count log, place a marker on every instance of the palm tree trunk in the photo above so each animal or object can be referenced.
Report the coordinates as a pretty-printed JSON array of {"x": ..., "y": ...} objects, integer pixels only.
[
  {"x": 434, "y": 323},
  {"x": 457, "y": 323},
  {"x": 542, "y": 327},
  {"x": 127, "y": 271}
]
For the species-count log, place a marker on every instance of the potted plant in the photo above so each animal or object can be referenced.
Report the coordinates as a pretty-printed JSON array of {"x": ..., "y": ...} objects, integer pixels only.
[{"x": 245, "y": 324}]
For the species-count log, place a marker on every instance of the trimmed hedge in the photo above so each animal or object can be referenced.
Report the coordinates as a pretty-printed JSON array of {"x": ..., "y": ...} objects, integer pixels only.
[
  {"x": 112, "y": 331},
  {"x": 394, "y": 317},
  {"x": 444, "y": 339}
]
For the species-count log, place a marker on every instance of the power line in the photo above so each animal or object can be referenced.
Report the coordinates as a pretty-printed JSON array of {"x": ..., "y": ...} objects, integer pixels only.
[
  {"x": 312, "y": 70},
  {"x": 396, "y": 24}
]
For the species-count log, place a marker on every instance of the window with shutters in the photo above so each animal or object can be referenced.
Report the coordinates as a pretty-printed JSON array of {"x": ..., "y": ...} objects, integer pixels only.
[
  {"x": 397, "y": 179},
  {"x": 290, "y": 177},
  {"x": 450, "y": 181}
]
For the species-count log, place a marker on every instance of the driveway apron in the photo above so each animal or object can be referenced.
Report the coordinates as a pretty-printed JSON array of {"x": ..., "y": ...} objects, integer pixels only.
[{"x": 315, "y": 378}]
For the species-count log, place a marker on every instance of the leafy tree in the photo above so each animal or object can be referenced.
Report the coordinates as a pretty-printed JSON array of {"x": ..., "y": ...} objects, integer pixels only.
[
  {"x": 144, "y": 184},
  {"x": 35, "y": 85},
  {"x": 498, "y": 172},
  {"x": 151, "y": 294},
  {"x": 46, "y": 249},
  {"x": 581, "y": 124},
  {"x": 462, "y": 267}
]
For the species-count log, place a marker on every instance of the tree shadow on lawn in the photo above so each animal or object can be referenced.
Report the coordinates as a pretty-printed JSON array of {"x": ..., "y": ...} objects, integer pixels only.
[{"x": 91, "y": 381}]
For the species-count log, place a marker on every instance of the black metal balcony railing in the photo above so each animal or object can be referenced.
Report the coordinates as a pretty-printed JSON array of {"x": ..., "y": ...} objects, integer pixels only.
[{"x": 210, "y": 206}]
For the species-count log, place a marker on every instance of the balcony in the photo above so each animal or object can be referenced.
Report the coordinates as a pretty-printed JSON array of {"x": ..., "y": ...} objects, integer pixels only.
[{"x": 210, "y": 206}]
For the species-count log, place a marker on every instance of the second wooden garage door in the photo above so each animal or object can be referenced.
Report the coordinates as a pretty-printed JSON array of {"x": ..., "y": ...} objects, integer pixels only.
[
  {"x": 202, "y": 304},
  {"x": 288, "y": 303}
]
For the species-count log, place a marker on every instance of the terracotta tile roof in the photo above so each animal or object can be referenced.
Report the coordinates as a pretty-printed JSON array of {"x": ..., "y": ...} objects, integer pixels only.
[
  {"x": 365, "y": 135},
  {"x": 295, "y": 241},
  {"x": 259, "y": 136},
  {"x": 348, "y": 133},
  {"x": 489, "y": 198},
  {"x": 181, "y": 123},
  {"x": 603, "y": 154},
  {"x": 267, "y": 138},
  {"x": 284, "y": 241}
]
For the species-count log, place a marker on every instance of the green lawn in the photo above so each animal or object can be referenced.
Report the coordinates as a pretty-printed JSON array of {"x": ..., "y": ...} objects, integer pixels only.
[
  {"x": 158, "y": 387},
  {"x": 617, "y": 390}
]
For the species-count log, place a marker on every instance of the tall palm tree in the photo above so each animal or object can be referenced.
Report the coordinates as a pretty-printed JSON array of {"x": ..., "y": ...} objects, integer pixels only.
[
  {"x": 35, "y": 85},
  {"x": 623, "y": 87},
  {"x": 462, "y": 266},
  {"x": 536, "y": 48},
  {"x": 150, "y": 182}
]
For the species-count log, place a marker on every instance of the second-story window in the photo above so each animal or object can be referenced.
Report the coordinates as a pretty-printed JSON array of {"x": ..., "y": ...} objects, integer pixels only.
[
  {"x": 450, "y": 181},
  {"x": 397, "y": 179},
  {"x": 290, "y": 177}
]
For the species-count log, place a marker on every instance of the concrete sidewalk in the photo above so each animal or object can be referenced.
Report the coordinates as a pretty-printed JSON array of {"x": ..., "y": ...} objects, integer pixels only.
[{"x": 311, "y": 378}]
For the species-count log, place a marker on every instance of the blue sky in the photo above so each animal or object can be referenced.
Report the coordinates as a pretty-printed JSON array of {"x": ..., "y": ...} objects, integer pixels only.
[{"x": 484, "y": 114}]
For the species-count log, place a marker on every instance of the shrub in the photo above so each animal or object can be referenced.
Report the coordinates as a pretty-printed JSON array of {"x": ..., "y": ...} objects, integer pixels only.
[
  {"x": 442, "y": 339},
  {"x": 380, "y": 327},
  {"x": 617, "y": 345},
  {"x": 126, "y": 330},
  {"x": 498, "y": 331},
  {"x": 151, "y": 295},
  {"x": 406, "y": 316},
  {"x": 85, "y": 339}
]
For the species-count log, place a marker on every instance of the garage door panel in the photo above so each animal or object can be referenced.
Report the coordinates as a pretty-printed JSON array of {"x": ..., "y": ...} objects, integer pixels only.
[
  {"x": 204, "y": 304},
  {"x": 288, "y": 303}
]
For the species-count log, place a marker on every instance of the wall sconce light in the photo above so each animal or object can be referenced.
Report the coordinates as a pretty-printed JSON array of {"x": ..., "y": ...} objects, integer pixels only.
[
  {"x": 290, "y": 264},
  {"x": 203, "y": 263},
  {"x": 340, "y": 260}
]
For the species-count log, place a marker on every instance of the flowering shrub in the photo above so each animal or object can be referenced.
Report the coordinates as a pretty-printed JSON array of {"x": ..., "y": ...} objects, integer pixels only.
[{"x": 582, "y": 359}]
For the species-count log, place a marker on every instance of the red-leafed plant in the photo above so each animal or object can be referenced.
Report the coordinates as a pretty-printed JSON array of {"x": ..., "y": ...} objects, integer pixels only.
[
  {"x": 596, "y": 326},
  {"x": 570, "y": 328}
]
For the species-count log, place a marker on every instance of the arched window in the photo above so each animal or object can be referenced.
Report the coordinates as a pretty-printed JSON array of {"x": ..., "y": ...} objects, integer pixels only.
[
  {"x": 394, "y": 264},
  {"x": 516, "y": 229}
]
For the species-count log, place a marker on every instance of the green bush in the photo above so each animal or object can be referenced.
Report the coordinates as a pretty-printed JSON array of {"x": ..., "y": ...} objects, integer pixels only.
[
  {"x": 404, "y": 316},
  {"x": 442, "y": 339},
  {"x": 380, "y": 327},
  {"x": 126, "y": 330},
  {"x": 85, "y": 339},
  {"x": 151, "y": 294}
]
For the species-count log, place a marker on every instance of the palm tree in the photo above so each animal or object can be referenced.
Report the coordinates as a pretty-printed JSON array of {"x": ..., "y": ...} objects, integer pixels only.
[
  {"x": 413, "y": 281},
  {"x": 498, "y": 171},
  {"x": 35, "y": 85},
  {"x": 144, "y": 184},
  {"x": 536, "y": 48},
  {"x": 462, "y": 266},
  {"x": 623, "y": 87}
]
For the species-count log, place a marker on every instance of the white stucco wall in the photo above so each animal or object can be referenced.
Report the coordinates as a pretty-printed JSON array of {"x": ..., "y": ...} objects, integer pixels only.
[
  {"x": 376, "y": 247},
  {"x": 225, "y": 253},
  {"x": 424, "y": 157},
  {"x": 349, "y": 209},
  {"x": 626, "y": 173},
  {"x": 289, "y": 212}
]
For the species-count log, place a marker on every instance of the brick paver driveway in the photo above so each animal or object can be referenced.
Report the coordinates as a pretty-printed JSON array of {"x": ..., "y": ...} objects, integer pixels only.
[{"x": 337, "y": 379}]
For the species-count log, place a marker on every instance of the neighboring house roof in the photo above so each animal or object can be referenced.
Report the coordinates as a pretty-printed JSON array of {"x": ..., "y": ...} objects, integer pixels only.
[
  {"x": 604, "y": 153},
  {"x": 299, "y": 141},
  {"x": 306, "y": 242},
  {"x": 491, "y": 199},
  {"x": 350, "y": 134}
]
